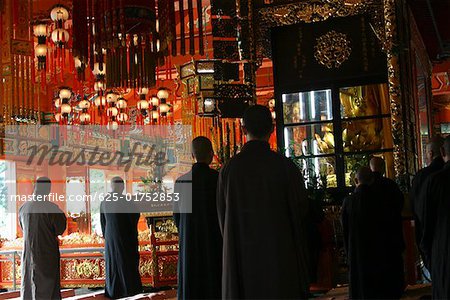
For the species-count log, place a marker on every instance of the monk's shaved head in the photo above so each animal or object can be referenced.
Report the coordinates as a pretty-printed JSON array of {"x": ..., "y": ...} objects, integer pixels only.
[
  {"x": 202, "y": 149},
  {"x": 117, "y": 184},
  {"x": 43, "y": 186},
  {"x": 446, "y": 149},
  {"x": 434, "y": 146},
  {"x": 377, "y": 165},
  {"x": 364, "y": 176},
  {"x": 257, "y": 122}
]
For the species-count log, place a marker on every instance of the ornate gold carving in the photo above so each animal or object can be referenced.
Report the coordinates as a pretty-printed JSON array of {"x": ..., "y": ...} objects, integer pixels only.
[
  {"x": 87, "y": 269},
  {"x": 332, "y": 49},
  {"x": 394, "y": 90},
  {"x": 146, "y": 267},
  {"x": 311, "y": 11}
]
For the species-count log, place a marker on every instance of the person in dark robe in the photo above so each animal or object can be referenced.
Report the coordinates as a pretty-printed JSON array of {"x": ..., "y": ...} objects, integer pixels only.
[
  {"x": 41, "y": 222},
  {"x": 436, "y": 163},
  {"x": 393, "y": 200},
  {"x": 119, "y": 227},
  {"x": 263, "y": 207},
  {"x": 435, "y": 243},
  {"x": 200, "y": 240},
  {"x": 315, "y": 218},
  {"x": 371, "y": 238}
]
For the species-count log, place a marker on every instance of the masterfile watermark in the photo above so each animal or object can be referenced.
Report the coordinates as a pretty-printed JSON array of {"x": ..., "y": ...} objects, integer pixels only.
[{"x": 148, "y": 158}]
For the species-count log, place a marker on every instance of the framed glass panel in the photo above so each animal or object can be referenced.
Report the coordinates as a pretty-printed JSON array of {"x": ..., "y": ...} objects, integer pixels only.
[
  {"x": 304, "y": 140},
  {"x": 366, "y": 100},
  {"x": 319, "y": 172},
  {"x": 367, "y": 134},
  {"x": 307, "y": 107},
  {"x": 97, "y": 185},
  {"x": 353, "y": 162}
]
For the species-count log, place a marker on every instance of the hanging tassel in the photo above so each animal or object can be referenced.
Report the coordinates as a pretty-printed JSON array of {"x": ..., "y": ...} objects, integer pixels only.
[
  {"x": 191, "y": 28},
  {"x": 201, "y": 46}
]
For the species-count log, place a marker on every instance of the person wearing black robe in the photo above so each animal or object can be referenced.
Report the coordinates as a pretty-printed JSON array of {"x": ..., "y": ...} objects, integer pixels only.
[
  {"x": 417, "y": 191},
  {"x": 435, "y": 243},
  {"x": 200, "y": 241},
  {"x": 41, "y": 222},
  {"x": 393, "y": 200},
  {"x": 262, "y": 207},
  {"x": 119, "y": 227},
  {"x": 371, "y": 237}
]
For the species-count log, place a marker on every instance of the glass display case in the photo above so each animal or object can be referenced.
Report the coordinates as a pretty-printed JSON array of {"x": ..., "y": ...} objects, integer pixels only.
[{"x": 331, "y": 132}]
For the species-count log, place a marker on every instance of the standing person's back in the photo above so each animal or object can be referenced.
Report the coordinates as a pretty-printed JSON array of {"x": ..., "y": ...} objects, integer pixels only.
[
  {"x": 262, "y": 206},
  {"x": 370, "y": 238},
  {"x": 41, "y": 222},
  {"x": 390, "y": 201},
  {"x": 119, "y": 227},
  {"x": 418, "y": 193},
  {"x": 436, "y": 235},
  {"x": 200, "y": 241}
]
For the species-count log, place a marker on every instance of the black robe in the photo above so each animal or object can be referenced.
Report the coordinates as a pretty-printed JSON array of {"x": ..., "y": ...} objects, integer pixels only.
[
  {"x": 418, "y": 197},
  {"x": 374, "y": 244},
  {"x": 200, "y": 241},
  {"x": 121, "y": 251},
  {"x": 262, "y": 207},
  {"x": 436, "y": 235},
  {"x": 41, "y": 223}
]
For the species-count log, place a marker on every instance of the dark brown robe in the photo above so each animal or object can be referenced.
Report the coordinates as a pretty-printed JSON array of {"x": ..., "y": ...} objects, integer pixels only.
[
  {"x": 436, "y": 235},
  {"x": 418, "y": 198},
  {"x": 262, "y": 207},
  {"x": 41, "y": 223},
  {"x": 121, "y": 249},
  {"x": 373, "y": 239},
  {"x": 200, "y": 241}
]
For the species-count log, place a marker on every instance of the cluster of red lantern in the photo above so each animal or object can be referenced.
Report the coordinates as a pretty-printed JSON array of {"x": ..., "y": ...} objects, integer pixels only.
[
  {"x": 59, "y": 37},
  {"x": 156, "y": 108},
  {"x": 63, "y": 105}
]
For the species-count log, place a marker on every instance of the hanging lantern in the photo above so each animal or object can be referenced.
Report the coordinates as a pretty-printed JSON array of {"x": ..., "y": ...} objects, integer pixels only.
[
  {"x": 142, "y": 105},
  {"x": 97, "y": 72},
  {"x": 143, "y": 91},
  {"x": 85, "y": 118},
  {"x": 163, "y": 93},
  {"x": 84, "y": 104},
  {"x": 112, "y": 112},
  {"x": 40, "y": 31},
  {"x": 155, "y": 115},
  {"x": 80, "y": 67},
  {"x": 65, "y": 93},
  {"x": 121, "y": 103},
  {"x": 122, "y": 117},
  {"x": 164, "y": 108},
  {"x": 66, "y": 108},
  {"x": 154, "y": 101},
  {"x": 99, "y": 85},
  {"x": 111, "y": 97},
  {"x": 59, "y": 13},
  {"x": 58, "y": 117},
  {"x": 100, "y": 101},
  {"x": 113, "y": 125},
  {"x": 41, "y": 51},
  {"x": 60, "y": 36},
  {"x": 58, "y": 102}
]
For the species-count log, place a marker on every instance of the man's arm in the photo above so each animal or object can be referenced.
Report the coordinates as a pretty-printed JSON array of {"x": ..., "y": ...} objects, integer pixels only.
[
  {"x": 431, "y": 193},
  {"x": 220, "y": 198},
  {"x": 344, "y": 222},
  {"x": 102, "y": 219},
  {"x": 60, "y": 220}
]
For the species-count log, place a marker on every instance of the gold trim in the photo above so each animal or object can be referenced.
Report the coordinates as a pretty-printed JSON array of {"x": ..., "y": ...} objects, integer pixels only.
[{"x": 395, "y": 98}]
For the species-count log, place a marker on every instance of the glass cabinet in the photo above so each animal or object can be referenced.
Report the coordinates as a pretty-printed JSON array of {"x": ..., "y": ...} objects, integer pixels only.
[{"x": 331, "y": 132}]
